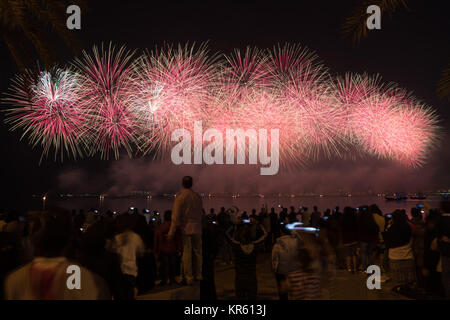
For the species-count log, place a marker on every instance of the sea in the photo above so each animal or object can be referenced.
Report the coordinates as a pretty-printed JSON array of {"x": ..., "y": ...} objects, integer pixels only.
[{"x": 242, "y": 203}]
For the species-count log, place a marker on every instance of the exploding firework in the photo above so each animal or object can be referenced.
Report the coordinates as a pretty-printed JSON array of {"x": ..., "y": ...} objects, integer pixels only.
[
  {"x": 385, "y": 120},
  {"x": 302, "y": 84},
  {"x": 243, "y": 100},
  {"x": 242, "y": 73},
  {"x": 110, "y": 102},
  {"x": 106, "y": 82},
  {"x": 284, "y": 89},
  {"x": 173, "y": 87},
  {"x": 47, "y": 108}
]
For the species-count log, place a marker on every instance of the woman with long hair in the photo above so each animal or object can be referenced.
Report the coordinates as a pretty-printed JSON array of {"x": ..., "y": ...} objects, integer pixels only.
[
  {"x": 398, "y": 238},
  {"x": 367, "y": 237}
]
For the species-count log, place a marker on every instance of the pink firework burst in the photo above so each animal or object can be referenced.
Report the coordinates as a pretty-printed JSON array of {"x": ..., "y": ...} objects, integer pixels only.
[
  {"x": 174, "y": 87},
  {"x": 387, "y": 121},
  {"x": 110, "y": 102},
  {"x": 106, "y": 83},
  {"x": 245, "y": 99},
  {"x": 241, "y": 73},
  {"x": 47, "y": 109},
  {"x": 257, "y": 110},
  {"x": 291, "y": 63},
  {"x": 282, "y": 89},
  {"x": 301, "y": 82}
]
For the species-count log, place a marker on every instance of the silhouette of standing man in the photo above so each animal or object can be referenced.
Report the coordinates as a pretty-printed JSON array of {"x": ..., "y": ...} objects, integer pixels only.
[{"x": 187, "y": 215}]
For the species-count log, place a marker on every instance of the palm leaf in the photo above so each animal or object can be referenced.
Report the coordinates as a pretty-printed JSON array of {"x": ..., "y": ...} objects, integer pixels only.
[
  {"x": 444, "y": 83},
  {"x": 355, "y": 27},
  {"x": 26, "y": 27}
]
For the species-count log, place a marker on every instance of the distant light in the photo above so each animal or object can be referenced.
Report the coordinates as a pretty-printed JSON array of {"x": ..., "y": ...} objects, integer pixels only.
[
  {"x": 297, "y": 227},
  {"x": 294, "y": 226}
]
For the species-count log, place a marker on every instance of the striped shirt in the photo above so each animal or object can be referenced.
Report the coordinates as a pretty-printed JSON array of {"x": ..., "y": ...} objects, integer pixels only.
[{"x": 304, "y": 285}]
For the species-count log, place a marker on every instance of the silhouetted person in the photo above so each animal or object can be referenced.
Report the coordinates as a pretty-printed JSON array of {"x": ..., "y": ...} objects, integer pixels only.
[
  {"x": 274, "y": 225},
  {"x": 432, "y": 278},
  {"x": 283, "y": 216},
  {"x": 337, "y": 213},
  {"x": 304, "y": 283},
  {"x": 145, "y": 280},
  {"x": 93, "y": 256},
  {"x": 315, "y": 217},
  {"x": 167, "y": 250},
  {"x": 224, "y": 222},
  {"x": 210, "y": 249},
  {"x": 285, "y": 260},
  {"x": 264, "y": 219},
  {"x": 212, "y": 215},
  {"x": 253, "y": 215},
  {"x": 129, "y": 247},
  {"x": 398, "y": 236},
  {"x": 349, "y": 237},
  {"x": 306, "y": 217},
  {"x": 418, "y": 244},
  {"x": 292, "y": 215},
  {"x": 245, "y": 266},
  {"x": 367, "y": 236},
  {"x": 443, "y": 241},
  {"x": 10, "y": 256},
  {"x": 45, "y": 277},
  {"x": 187, "y": 215}
]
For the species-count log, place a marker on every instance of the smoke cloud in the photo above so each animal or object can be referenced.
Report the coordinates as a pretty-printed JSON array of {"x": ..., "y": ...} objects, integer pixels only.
[{"x": 125, "y": 175}]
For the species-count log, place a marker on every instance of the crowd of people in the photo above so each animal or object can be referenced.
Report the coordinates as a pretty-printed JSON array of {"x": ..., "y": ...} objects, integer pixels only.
[{"x": 123, "y": 255}]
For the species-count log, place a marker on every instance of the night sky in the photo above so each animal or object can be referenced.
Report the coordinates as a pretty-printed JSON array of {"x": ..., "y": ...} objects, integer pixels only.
[{"x": 412, "y": 49}]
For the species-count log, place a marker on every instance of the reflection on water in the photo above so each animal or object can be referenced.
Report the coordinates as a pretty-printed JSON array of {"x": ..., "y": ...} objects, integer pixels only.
[{"x": 246, "y": 204}]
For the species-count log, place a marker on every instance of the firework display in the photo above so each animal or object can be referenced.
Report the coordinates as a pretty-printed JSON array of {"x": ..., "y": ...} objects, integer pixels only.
[
  {"x": 48, "y": 109},
  {"x": 106, "y": 83},
  {"x": 172, "y": 88},
  {"x": 110, "y": 99},
  {"x": 385, "y": 120}
]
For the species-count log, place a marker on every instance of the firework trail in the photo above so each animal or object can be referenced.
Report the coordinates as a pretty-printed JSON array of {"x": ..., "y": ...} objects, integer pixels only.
[
  {"x": 109, "y": 101},
  {"x": 47, "y": 109}
]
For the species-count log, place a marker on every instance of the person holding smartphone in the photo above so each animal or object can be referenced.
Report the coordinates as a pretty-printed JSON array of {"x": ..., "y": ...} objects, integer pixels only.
[
  {"x": 398, "y": 238},
  {"x": 245, "y": 249}
]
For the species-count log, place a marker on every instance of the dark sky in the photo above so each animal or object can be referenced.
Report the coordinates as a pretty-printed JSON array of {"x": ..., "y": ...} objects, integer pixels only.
[{"x": 411, "y": 49}]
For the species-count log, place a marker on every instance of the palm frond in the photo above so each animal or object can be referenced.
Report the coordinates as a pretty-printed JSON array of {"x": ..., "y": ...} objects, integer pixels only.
[
  {"x": 354, "y": 26},
  {"x": 27, "y": 26},
  {"x": 444, "y": 83}
]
